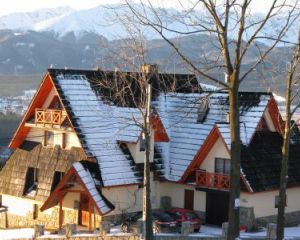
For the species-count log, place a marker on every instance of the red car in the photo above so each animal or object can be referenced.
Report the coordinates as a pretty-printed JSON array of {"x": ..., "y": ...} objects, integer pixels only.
[{"x": 184, "y": 215}]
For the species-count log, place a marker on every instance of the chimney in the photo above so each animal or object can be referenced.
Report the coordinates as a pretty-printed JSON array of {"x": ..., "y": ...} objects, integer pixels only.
[
  {"x": 149, "y": 68},
  {"x": 225, "y": 77}
]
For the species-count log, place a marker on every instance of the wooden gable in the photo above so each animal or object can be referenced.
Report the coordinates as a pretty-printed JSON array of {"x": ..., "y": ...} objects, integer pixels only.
[{"x": 46, "y": 87}]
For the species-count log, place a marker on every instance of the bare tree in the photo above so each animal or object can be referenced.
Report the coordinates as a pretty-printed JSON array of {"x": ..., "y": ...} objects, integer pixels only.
[
  {"x": 234, "y": 30},
  {"x": 291, "y": 105},
  {"x": 135, "y": 84}
]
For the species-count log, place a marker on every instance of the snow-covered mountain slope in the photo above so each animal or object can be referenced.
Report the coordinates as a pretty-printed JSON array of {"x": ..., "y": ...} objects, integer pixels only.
[
  {"x": 36, "y": 20},
  {"x": 109, "y": 21}
]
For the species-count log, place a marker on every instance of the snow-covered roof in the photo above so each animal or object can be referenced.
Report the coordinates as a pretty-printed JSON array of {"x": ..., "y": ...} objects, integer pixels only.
[
  {"x": 179, "y": 114},
  {"x": 102, "y": 119},
  {"x": 99, "y": 127},
  {"x": 90, "y": 185}
]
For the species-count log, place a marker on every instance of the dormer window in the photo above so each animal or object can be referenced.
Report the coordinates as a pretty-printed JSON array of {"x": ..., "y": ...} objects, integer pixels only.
[
  {"x": 31, "y": 182},
  {"x": 203, "y": 110}
]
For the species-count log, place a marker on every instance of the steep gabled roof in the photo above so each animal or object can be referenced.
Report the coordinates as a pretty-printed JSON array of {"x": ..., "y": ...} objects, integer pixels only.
[
  {"x": 261, "y": 161},
  {"x": 99, "y": 127},
  {"x": 102, "y": 121},
  {"x": 80, "y": 173},
  {"x": 179, "y": 115}
]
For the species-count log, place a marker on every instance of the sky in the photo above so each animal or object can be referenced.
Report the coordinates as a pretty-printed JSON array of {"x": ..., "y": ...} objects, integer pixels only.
[{"x": 10, "y": 6}]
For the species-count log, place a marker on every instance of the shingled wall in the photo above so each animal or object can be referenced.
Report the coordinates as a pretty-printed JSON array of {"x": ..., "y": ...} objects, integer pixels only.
[{"x": 46, "y": 159}]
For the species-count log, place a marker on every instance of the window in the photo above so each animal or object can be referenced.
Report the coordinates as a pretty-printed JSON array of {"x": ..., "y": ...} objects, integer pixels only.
[
  {"x": 55, "y": 104},
  {"x": 31, "y": 182},
  {"x": 49, "y": 138},
  {"x": 222, "y": 165},
  {"x": 56, "y": 179}
]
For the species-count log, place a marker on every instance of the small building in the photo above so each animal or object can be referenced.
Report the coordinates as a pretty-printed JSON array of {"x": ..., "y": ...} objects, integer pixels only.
[{"x": 78, "y": 152}]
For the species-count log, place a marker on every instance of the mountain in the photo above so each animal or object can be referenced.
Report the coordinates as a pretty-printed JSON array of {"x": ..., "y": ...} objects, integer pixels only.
[
  {"x": 36, "y": 20},
  {"x": 63, "y": 37},
  {"x": 111, "y": 21}
]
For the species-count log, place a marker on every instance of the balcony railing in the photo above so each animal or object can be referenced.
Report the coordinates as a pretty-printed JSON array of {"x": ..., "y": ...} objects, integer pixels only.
[
  {"x": 48, "y": 116},
  {"x": 212, "y": 180}
]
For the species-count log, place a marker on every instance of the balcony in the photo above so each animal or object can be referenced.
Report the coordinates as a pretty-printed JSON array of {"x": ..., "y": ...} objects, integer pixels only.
[
  {"x": 48, "y": 116},
  {"x": 210, "y": 180}
]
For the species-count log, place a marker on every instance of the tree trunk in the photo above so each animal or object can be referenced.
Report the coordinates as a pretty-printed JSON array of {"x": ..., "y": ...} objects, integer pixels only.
[
  {"x": 284, "y": 162},
  {"x": 147, "y": 218},
  {"x": 234, "y": 117}
]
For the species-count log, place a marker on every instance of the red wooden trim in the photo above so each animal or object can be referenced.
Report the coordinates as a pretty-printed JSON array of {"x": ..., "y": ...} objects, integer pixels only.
[
  {"x": 276, "y": 116},
  {"x": 58, "y": 189},
  {"x": 37, "y": 101},
  {"x": 73, "y": 191},
  {"x": 202, "y": 153},
  {"x": 212, "y": 180},
  {"x": 160, "y": 134},
  {"x": 90, "y": 214},
  {"x": 88, "y": 193}
]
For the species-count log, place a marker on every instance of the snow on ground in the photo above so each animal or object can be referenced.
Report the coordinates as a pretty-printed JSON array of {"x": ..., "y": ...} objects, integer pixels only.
[
  {"x": 16, "y": 233},
  {"x": 205, "y": 231}
]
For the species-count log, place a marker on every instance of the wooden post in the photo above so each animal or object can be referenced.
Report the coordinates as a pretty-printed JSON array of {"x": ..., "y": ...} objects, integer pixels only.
[
  {"x": 60, "y": 210},
  {"x": 90, "y": 214}
]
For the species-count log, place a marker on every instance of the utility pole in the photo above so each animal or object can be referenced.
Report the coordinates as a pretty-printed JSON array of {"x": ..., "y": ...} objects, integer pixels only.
[{"x": 147, "y": 218}]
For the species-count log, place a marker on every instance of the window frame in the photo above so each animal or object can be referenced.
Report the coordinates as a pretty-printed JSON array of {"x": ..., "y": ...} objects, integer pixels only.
[{"x": 225, "y": 163}]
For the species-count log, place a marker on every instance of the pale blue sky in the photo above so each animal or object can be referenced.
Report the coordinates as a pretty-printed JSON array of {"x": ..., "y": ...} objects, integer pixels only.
[{"x": 9, "y": 6}]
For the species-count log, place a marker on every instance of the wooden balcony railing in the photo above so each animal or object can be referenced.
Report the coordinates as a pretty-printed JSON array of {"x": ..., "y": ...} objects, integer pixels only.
[
  {"x": 48, "y": 116},
  {"x": 212, "y": 180}
]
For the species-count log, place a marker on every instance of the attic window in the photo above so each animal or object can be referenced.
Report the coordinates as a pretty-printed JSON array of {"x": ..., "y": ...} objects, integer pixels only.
[
  {"x": 56, "y": 179},
  {"x": 222, "y": 165},
  {"x": 31, "y": 182},
  {"x": 203, "y": 110},
  {"x": 55, "y": 104}
]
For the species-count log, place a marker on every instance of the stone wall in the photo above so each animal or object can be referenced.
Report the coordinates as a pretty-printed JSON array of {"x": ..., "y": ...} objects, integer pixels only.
[
  {"x": 8, "y": 220},
  {"x": 291, "y": 219}
]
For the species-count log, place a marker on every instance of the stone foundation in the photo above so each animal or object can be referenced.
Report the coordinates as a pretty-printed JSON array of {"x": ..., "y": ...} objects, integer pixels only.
[
  {"x": 291, "y": 219},
  {"x": 8, "y": 220}
]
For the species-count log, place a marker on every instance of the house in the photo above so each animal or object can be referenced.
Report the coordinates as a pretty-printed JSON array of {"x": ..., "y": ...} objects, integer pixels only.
[{"x": 78, "y": 152}]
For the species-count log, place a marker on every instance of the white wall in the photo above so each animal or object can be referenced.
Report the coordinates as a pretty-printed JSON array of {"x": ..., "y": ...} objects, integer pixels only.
[
  {"x": 20, "y": 206},
  {"x": 264, "y": 202},
  {"x": 37, "y": 135},
  {"x": 176, "y": 192},
  {"x": 139, "y": 156},
  {"x": 217, "y": 151}
]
